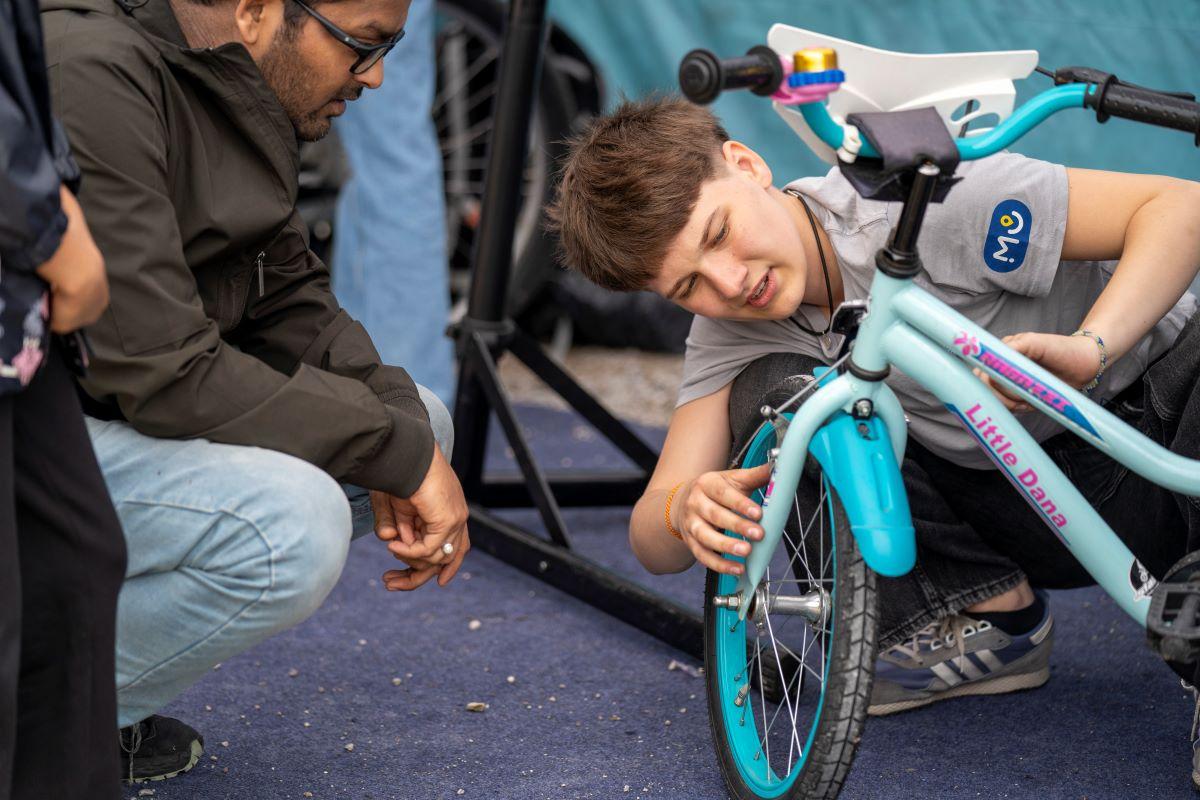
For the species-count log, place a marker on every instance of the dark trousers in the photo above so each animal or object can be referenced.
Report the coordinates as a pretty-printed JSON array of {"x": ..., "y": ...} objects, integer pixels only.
[
  {"x": 966, "y": 552},
  {"x": 62, "y": 560}
]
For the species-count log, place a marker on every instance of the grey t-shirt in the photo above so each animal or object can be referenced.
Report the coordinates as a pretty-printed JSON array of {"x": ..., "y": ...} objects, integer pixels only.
[{"x": 967, "y": 265}]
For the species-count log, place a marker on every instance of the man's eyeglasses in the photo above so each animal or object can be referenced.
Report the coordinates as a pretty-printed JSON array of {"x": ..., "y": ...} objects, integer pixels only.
[{"x": 368, "y": 54}]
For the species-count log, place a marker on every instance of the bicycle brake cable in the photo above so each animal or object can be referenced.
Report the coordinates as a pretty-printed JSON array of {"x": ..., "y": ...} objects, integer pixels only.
[{"x": 777, "y": 420}]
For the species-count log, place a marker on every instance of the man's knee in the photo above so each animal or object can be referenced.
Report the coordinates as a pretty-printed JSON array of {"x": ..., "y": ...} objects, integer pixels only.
[
  {"x": 440, "y": 420},
  {"x": 307, "y": 527}
]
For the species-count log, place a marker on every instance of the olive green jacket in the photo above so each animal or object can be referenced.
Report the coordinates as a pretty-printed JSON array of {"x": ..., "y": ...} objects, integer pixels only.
[{"x": 222, "y": 323}]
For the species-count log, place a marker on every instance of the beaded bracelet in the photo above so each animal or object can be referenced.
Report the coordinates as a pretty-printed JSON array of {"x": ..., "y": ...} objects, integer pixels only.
[
  {"x": 667, "y": 512},
  {"x": 1103, "y": 357}
]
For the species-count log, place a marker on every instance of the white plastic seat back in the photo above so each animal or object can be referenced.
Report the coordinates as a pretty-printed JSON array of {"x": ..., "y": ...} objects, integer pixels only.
[{"x": 885, "y": 80}]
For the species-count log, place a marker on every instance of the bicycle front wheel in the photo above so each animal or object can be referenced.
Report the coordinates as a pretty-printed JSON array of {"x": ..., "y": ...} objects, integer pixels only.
[{"x": 788, "y": 687}]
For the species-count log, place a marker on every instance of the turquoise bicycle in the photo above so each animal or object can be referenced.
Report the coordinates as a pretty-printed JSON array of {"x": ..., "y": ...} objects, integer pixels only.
[{"x": 790, "y": 643}]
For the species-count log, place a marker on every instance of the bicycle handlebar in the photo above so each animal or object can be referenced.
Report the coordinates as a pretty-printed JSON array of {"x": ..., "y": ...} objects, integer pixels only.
[
  {"x": 703, "y": 76},
  {"x": 1145, "y": 105}
]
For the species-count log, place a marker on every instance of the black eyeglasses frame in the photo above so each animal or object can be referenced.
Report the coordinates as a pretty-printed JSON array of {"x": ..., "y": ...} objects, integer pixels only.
[{"x": 368, "y": 54}]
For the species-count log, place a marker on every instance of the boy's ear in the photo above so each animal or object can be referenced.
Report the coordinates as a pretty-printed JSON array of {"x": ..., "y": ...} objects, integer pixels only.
[{"x": 742, "y": 159}]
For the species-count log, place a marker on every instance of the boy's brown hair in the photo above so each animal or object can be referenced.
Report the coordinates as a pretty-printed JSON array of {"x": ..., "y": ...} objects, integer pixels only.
[{"x": 629, "y": 184}]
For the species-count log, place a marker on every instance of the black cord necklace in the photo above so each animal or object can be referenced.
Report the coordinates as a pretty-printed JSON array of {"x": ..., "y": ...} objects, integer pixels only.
[{"x": 824, "y": 269}]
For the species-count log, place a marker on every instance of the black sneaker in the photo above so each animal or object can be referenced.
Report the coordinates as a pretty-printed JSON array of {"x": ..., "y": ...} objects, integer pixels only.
[{"x": 158, "y": 748}]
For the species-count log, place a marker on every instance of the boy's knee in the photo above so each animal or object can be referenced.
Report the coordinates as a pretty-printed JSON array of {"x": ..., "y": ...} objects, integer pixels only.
[{"x": 440, "y": 420}]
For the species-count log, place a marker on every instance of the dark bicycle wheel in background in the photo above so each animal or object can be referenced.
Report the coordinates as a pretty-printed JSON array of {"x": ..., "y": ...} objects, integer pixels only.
[
  {"x": 543, "y": 298},
  {"x": 470, "y": 35}
]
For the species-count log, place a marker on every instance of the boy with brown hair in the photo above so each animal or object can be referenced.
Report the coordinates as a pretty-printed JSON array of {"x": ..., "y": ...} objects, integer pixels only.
[{"x": 657, "y": 196}]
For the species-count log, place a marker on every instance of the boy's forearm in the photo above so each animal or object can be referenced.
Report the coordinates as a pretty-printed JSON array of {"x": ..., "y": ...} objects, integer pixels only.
[
  {"x": 1160, "y": 259},
  {"x": 657, "y": 550}
]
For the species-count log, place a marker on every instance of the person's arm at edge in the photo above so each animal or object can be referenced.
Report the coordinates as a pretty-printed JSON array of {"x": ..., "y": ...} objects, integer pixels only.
[
  {"x": 1151, "y": 223},
  {"x": 32, "y": 222}
]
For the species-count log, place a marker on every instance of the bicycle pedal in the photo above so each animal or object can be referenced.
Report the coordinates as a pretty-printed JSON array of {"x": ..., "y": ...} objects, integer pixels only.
[{"x": 1173, "y": 622}]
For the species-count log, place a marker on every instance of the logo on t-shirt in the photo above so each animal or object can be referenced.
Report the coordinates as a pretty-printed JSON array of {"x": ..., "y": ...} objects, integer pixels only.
[{"x": 1007, "y": 236}]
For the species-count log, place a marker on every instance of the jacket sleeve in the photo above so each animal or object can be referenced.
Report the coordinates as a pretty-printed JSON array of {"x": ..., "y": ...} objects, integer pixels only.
[
  {"x": 158, "y": 356},
  {"x": 32, "y": 222},
  {"x": 296, "y": 319}
]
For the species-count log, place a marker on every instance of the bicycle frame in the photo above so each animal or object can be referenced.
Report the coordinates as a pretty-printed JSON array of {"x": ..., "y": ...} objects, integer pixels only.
[{"x": 936, "y": 346}]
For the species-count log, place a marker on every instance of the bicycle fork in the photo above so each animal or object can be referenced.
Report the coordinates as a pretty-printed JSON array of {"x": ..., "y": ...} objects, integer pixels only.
[{"x": 860, "y": 448}]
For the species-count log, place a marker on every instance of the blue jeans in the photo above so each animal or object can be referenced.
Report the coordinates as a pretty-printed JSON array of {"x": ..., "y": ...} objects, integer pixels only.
[
  {"x": 227, "y": 546},
  {"x": 389, "y": 252}
]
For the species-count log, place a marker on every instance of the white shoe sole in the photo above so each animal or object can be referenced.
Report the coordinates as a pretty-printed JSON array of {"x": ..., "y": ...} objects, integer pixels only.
[{"x": 1001, "y": 684}]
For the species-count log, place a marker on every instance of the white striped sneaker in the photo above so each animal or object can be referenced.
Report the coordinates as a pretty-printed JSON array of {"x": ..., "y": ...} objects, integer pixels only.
[{"x": 960, "y": 656}]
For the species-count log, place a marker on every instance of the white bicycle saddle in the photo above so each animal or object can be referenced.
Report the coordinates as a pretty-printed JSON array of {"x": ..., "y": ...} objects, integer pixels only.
[{"x": 885, "y": 80}]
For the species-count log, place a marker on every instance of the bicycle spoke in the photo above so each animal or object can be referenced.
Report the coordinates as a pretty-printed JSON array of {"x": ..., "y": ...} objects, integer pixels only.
[
  {"x": 469, "y": 135},
  {"x": 472, "y": 102},
  {"x": 464, "y": 78},
  {"x": 786, "y": 699},
  {"x": 762, "y": 697}
]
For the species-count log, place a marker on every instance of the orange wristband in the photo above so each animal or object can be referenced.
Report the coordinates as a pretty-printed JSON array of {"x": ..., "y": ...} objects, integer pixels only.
[{"x": 667, "y": 512}]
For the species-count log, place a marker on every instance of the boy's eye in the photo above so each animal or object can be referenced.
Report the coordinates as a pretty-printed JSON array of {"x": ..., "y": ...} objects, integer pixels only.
[
  {"x": 720, "y": 237},
  {"x": 691, "y": 284}
]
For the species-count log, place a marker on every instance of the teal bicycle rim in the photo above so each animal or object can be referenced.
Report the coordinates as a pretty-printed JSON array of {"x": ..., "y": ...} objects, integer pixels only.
[{"x": 749, "y": 744}]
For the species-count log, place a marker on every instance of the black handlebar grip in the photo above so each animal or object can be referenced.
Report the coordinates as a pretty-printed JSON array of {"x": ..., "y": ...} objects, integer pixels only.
[
  {"x": 1146, "y": 105},
  {"x": 703, "y": 76}
]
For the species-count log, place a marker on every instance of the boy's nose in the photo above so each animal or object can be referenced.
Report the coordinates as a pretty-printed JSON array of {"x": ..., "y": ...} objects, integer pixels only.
[{"x": 729, "y": 279}]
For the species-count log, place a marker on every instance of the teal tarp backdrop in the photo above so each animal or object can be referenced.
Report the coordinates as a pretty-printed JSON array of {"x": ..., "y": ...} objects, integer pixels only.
[{"x": 638, "y": 45}]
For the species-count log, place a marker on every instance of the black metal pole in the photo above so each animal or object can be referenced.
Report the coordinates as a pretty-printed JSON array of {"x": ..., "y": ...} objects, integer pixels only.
[
  {"x": 485, "y": 332},
  {"x": 520, "y": 68}
]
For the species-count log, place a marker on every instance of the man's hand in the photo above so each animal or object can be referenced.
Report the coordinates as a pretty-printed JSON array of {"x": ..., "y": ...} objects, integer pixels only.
[
  {"x": 394, "y": 520},
  {"x": 1074, "y": 359},
  {"x": 78, "y": 285},
  {"x": 416, "y": 528},
  {"x": 716, "y": 502}
]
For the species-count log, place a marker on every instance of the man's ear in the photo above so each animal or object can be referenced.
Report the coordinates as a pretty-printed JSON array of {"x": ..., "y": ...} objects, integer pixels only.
[
  {"x": 257, "y": 21},
  {"x": 744, "y": 160}
]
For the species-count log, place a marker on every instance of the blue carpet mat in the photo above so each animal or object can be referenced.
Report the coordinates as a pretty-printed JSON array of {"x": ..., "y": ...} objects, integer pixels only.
[{"x": 368, "y": 698}]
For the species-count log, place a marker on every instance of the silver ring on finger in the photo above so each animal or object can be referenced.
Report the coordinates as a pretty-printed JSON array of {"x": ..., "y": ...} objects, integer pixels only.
[{"x": 448, "y": 548}]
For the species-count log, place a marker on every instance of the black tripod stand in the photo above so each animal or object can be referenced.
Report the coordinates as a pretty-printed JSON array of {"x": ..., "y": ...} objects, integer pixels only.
[{"x": 484, "y": 335}]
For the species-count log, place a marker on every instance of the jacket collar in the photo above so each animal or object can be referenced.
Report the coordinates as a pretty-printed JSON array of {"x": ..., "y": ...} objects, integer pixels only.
[{"x": 233, "y": 78}]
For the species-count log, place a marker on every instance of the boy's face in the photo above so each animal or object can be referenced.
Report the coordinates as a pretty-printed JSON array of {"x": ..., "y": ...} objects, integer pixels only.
[{"x": 740, "y": 255}]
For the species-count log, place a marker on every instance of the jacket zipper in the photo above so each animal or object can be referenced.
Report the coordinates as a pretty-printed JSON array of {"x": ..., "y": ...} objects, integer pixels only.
[{"x": 258, "y": 262}]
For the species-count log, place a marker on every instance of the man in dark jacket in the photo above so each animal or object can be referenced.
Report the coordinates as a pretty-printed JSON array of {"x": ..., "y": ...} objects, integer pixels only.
[
  {"x": 231, "y": 392},
  {"x": 61, "y": 551}
]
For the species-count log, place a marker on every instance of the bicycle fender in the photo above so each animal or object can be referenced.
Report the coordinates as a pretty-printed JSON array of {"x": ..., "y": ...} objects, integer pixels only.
[{"x": 860, "y": 462}]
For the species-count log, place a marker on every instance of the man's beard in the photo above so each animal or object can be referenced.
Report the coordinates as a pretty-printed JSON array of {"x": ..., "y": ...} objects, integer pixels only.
[{"x": 285, "y": 71}]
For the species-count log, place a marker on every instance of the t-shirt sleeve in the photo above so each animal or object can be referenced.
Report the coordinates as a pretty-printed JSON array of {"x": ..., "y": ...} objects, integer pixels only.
[
  {"x": 1000, "y": 229},
  {"x": 708, "y": 363},
  {"x": 718, "y": 350}
]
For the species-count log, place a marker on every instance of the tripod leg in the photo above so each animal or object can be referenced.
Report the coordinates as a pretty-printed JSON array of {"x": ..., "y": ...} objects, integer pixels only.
[
  {"x": 535, "y": 479},
  {"x": 526, "y": 349}
]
